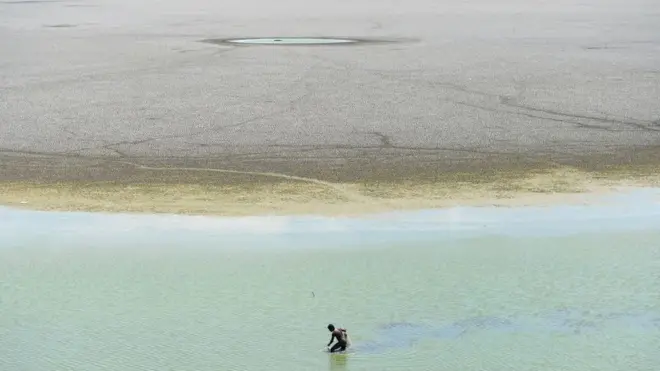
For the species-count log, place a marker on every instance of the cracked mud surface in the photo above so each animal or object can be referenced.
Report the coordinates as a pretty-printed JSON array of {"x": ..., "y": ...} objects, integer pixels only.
[{"x": 131, "y": 96}]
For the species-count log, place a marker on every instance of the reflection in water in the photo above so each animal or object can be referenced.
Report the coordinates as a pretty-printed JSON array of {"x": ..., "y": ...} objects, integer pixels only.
[{"x": 338, "y": 361}]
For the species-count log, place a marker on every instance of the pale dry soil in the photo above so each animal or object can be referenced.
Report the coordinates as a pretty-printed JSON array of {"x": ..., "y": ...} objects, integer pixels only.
[{"x": 124, "y": 106}]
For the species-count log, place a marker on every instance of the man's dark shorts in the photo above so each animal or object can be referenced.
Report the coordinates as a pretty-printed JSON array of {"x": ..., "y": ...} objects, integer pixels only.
[{"x": 340, "y": 346}]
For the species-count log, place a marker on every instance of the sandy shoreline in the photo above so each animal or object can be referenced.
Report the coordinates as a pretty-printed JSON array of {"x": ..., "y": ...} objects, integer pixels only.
[
  {"x": 283, "y": 195},
  {"x": 114, "y": 107}
]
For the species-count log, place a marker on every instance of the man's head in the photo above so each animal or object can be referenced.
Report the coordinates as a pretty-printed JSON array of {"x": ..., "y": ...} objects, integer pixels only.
[{"x": 331, "y": 327}]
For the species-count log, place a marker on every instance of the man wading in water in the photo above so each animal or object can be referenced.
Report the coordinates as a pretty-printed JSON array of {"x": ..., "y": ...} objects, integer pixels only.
[{"x": 341, "y": 336}]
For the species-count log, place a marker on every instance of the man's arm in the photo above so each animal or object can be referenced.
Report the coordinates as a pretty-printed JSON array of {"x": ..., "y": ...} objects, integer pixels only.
[{"x": 332, "y": 338}]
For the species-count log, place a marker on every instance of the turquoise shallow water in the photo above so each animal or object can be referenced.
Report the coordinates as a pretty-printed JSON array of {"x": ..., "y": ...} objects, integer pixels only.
[{"x": 561, "y": 288}]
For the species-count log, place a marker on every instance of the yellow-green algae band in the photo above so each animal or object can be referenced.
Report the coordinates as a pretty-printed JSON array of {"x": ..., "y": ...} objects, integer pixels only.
[{"x": 196, "y": 193}]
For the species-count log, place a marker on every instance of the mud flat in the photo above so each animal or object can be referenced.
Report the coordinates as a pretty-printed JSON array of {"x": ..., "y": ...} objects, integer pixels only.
[
  {"x": 121, "y": 107},
  {"x": 160, "y": 188}
]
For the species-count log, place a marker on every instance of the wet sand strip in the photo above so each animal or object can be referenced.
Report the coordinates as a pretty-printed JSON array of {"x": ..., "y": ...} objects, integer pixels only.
[{"x": 286, "y": 187}]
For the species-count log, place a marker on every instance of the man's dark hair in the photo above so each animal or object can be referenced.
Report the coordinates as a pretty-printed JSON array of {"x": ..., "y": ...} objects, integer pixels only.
[{"x": 331, "y": 327}]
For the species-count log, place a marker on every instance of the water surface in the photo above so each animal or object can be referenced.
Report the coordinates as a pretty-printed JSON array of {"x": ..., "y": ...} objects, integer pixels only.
[{"x": 461, "y": 289}]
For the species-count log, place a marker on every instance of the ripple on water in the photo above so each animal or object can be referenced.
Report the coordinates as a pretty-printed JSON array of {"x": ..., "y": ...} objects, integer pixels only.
[{"x": 404, "y": 335}]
